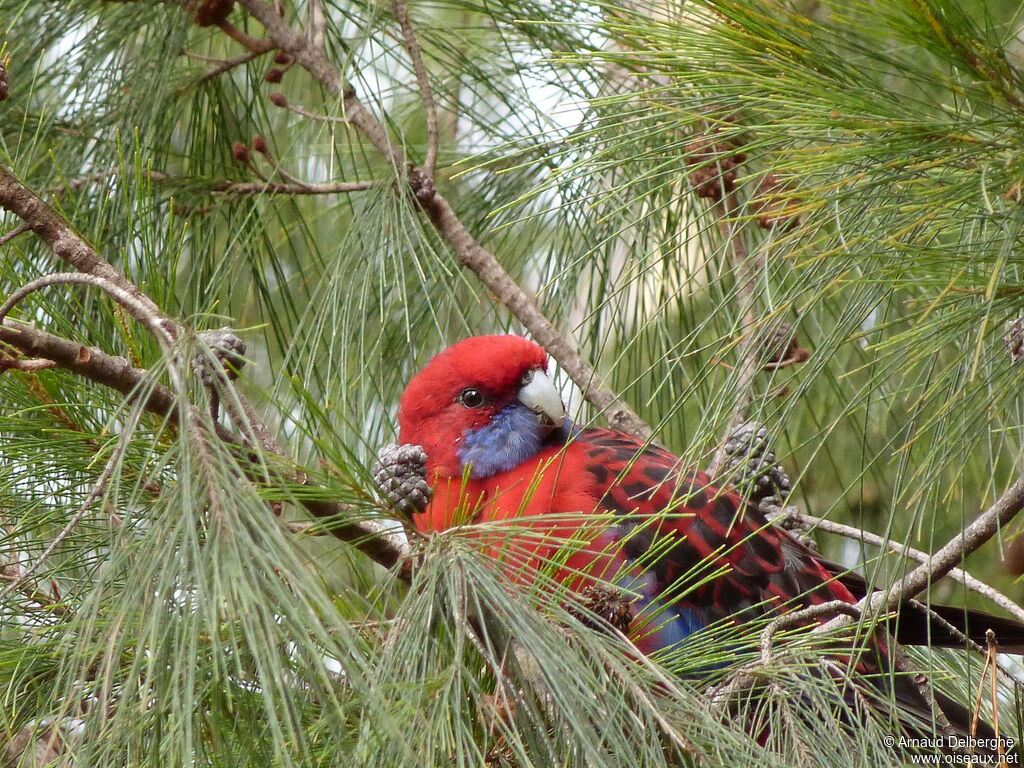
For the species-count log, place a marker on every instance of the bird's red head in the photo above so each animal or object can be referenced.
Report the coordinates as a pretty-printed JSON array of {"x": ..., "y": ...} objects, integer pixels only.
[{"x": 485, "y": 402}]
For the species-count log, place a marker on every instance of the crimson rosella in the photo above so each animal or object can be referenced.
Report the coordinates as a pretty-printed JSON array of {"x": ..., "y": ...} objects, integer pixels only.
[{"x": 500, "y": 447}]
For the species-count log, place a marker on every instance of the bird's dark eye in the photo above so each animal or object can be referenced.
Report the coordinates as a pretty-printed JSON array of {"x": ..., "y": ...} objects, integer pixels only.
[{"x": 471, "y": 398}]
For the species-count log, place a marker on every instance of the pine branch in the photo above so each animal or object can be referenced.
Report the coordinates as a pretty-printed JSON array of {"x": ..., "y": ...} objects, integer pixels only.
[
  {"x": 467, "y": 248},
  {"x": 957, "y": 574},
  {"x": 65, "y": 243},
  {"x": 221, "y": 67},
  {"x": 372, "y": 538},
  {"x": 945, "y": 559}
]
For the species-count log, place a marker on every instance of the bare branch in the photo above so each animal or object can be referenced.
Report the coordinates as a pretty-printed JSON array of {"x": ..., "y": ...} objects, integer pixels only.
[
  {"x": 162, "y": 329},
  {"x": 299, "y": 187},
  {"x": 65, "y": 243},
  {"x": 280, "y": 100},
  {"x": 468, "y": 249},
  {"x": 957, "y": 574},
  {"x": 983, "y": 528},
  {"x": 201, "y": 56},
  {"x": 798, "y": 356},
  {"x": 254, "y": 44},
  {"x": 224, "y": 66},
  {"x": 944, "y": 560},
  {"x": 35, "y": 364},
  {"x": 94, "y": 177},
  {"x": 373, "y": 538},
  {"x": 412, "y": 47},
  {"x": 18, "y": 230},
  {"x": 799, "y": 618},
  {"x": 91, "y": 363}
]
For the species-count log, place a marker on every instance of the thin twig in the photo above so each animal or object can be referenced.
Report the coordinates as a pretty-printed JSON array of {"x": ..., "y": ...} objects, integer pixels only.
[
  {"x": 254, "y": 44},
  {"x": 1005, "y": 291},
  {"x": 412, "y": 47},
  {"x": 94, "y": 177},
  {"x": 201, "y": 56},
  {"x": 219, "y": 188},
  {"x": 467, "y": 248},
  {"x": 29, "y": 366},
  {"x": 799, "y": 618},
  {"x": 315, "y": 115},
  {"x": 935, "y": 618},
  {"x": 12, "y": 574},
  {"x": 798, "y": 356},
  {"x": 225, "y": 66},
  {"x": 163, "y": 330},
  {"x": 18, "y": 230},
  {"x": 278, "y": 169}
]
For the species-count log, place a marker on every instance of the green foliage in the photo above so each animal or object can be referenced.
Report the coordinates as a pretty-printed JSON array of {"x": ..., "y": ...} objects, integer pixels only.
[{"x": 182, "y": 624}]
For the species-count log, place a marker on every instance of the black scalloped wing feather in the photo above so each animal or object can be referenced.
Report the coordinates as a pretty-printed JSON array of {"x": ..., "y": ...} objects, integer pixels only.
[{"x": 681, "y": 526}]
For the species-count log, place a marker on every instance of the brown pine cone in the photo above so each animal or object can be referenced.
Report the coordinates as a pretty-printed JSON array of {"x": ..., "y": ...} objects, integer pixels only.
[
  {"x": 774, "y": 203},
  {"x": 209, "y": 13},
  {"x": 714, "y": 165},
  {"x": 779, "y": 343},
  {"x": 401, "y": 473},
  {"x": 607, "y": 604},
  {"x": 752, "y": 466},
  {"x": 225, "y": 347}
]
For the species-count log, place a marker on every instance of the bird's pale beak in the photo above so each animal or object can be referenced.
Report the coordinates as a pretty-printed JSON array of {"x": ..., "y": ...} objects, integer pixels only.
[{"x": 540, "y": 396}]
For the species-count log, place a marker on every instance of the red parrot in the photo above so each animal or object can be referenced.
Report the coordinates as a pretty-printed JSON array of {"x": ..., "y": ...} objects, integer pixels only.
[{"x": 499, "y": 447}]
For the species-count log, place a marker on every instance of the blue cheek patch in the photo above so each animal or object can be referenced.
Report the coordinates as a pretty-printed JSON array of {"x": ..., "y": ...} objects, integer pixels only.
[{"x": 512, "y": 436}]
